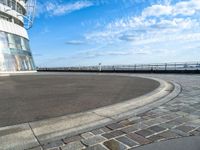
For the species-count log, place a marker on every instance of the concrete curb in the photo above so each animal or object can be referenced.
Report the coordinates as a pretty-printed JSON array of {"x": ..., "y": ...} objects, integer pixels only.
[
  {"x": 2, "y": 74},
  {"x": 40, "y": 132}
]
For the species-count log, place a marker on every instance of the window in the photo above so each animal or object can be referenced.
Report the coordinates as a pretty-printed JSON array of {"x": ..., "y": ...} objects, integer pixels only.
[{"x": 3, "y": 41}]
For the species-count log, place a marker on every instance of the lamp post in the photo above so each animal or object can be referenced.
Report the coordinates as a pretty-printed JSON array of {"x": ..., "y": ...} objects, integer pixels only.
[{"x": 100, "y": 67}]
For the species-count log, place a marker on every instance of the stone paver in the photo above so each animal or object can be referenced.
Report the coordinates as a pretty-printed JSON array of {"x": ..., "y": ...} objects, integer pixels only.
[
  {"x": 115, "y": 126},
  {"x": 72, "y": 139},
  {"x": 169, "y": 135},
  {"x": 87, "y": 135},
  {"x": 114, "y": 145},
  {"x": 178, "y": 118},
  {"x": 129, "y": 129},
  {"x": 127, "y": 141},
  {"x": 93, "y": 140},
  {"x": 145, "y": 132},
  {"x": 96, "y": 147},
  {"x": 73, "y": 146},
  {"x": 54, "y": 144},
  {"x": 113, "y": 134},
  {"x": 139, "y": 139}
]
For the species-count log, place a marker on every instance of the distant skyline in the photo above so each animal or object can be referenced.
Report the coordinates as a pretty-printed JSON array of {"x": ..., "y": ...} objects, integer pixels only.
[{"x": 86, "y": 32}]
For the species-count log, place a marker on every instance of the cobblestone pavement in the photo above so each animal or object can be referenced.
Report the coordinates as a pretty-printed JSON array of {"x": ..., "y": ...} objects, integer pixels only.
[{"x": 177, "y": 118}]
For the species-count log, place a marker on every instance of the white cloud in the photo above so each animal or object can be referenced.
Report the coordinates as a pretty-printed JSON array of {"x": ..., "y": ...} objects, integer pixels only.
[
  {"x": 143, "y": 27},
  {"x": 56, "y": 8},
  {"x": 157, "y": 10},
  {"x": 165, "y": 29},
  {"x": 185, "y": 8},
  {"x": 74, "y": 42}
]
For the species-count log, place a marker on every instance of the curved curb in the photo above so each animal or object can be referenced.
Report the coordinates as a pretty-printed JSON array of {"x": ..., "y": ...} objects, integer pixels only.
[{"x": 40, "y": 132}]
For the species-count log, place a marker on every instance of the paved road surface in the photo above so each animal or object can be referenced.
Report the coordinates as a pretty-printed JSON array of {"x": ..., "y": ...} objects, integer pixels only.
[
  {"x": 34, "y": 97},
  {"x": 174, "y": 125}
]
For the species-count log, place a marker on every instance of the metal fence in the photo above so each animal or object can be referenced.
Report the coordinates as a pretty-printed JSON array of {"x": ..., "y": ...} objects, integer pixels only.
[{"x": 190, "y": 66}]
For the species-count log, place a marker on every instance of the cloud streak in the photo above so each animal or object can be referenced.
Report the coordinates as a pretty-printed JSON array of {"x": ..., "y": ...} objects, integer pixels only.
[
  {"x": 74, "y": 42},
  {"x": 56, "y": 8}
]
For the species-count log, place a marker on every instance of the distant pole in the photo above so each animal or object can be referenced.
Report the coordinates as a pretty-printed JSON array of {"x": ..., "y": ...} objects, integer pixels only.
[
  {"x": 165, "y": 66},
  {"x": 100, "y": 67}
]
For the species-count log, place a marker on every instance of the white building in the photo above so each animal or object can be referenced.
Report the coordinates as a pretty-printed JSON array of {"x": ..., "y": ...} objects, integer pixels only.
[{"x": 15, "y": 54}]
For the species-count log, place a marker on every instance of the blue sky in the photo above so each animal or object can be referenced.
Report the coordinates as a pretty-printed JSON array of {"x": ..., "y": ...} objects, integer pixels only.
[{"x": 86, "y": 32}]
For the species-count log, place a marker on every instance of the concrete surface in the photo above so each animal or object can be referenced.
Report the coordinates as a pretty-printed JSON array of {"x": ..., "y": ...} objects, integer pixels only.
[
  {"x": 30, "y": 98},
  {"x": 66, "y": 126},
  {"x": 157, "y": 125}
]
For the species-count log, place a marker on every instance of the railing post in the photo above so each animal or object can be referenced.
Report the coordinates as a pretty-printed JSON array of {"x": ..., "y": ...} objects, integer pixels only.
[
  {"x": 165, "y": 66},
  {"x": 175, "y": 66}
]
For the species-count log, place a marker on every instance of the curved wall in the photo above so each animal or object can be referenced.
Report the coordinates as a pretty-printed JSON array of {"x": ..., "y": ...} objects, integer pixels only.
[{"x": 15, "y": 54}]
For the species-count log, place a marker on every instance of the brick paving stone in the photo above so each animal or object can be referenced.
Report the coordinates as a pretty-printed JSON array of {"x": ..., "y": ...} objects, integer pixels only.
[
  {"x": 188, "y": 110},
  {"x": 155, "y": 138},
  {"x": 36, "y": 148},
  {"x": 151, "y": 114},
  {"x": 166, "y": 125},
  {"x": 73, "y": 146},
  {"x": 135, "y": 119},
  {"x": 197, "y": 113},
  {"x": 93, "y": 140},
  {"x": 113, "y": 134},
  {"x": 169, "y": 135},
  {"x": 195, "y": 133},
  {"x": 150, "y": 122},
  {"x": 105, "y": 129},
  {"x": 72, "y": 139},
  {"x": 125, "y": 122},
  {"x": 87, "y": 135},
  {"x": 138, "y": 138},
  {"x": 160, "y": 120},
  {"x": 198, "y": 129},
  {"x": 129, "y": 129},
  {"x": 142, "y": 114},
  {"x": 97, "y": 131},
  {"x": 185, "y": 128},
  {"x": 146, "y": 117},
  {"x": 173, "y": 123},
  {"x": 144, "y": 132},
  {"x": 54, "y": 144},
  {"x": 140, "y": 125},
  {"x": 96, "y": 147},
  {"x": 156, "y": 128},
  {"x": 170, "y": 116},
  {"x": 182, "y": 119},
  {"x": 114, "y": 126},
  {"x": 114, "y": 145},
  {"x": 127, "y": 141},
  {"x": 181, "y": 113},
  {"x": 55, "y": 148},
  {"x": 181, "y": 133}
]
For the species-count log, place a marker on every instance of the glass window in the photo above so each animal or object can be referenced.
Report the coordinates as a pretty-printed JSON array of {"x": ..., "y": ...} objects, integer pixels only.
[
  {"x": 11, "y": 41},
  {"x": 18, "y": 44},
  {"x": 27, "y": 44},
  {"x": 3, "y": 41}
]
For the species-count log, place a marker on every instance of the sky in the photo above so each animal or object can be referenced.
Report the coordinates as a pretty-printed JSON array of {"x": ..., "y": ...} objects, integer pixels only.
[{"x": 113, "y": 32}]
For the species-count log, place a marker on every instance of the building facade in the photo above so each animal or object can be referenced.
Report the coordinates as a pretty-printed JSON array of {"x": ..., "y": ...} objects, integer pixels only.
[{"x": 15, "y": 54}]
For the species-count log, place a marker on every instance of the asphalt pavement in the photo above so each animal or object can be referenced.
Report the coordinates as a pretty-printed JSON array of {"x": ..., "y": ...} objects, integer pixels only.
[{"x": 27, "y": 98}]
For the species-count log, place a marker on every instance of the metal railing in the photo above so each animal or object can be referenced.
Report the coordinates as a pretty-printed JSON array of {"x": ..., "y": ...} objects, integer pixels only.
[{"x": 189, "y": 66}]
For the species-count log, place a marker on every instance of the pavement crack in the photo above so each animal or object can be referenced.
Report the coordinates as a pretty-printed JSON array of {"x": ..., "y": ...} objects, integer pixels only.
[
  {"x": 104, "y": 116},
  {"x": 35, "y": 136}
]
